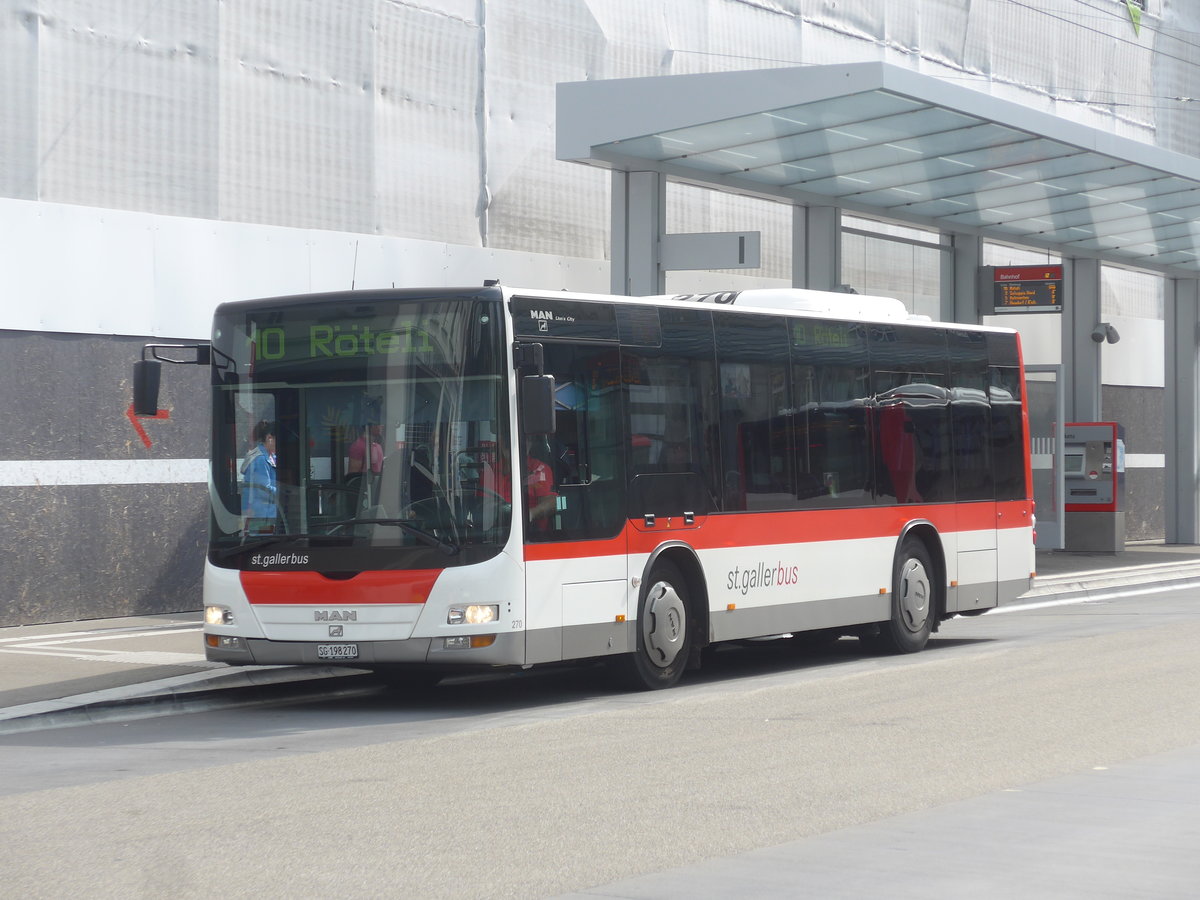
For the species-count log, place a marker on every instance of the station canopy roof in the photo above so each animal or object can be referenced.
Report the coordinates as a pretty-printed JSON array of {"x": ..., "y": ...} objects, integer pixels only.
[{"x": 888, "y": 142}]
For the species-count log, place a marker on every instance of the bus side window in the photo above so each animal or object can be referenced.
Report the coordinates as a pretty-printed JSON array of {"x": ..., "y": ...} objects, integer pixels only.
[
  {"x": 913, "y": 447},
  {"x": 1007, "y": 433},
  {"x": 756, "y": 434},
  {"x": 830, "y": 406},
  {"x": 672, "y": 393},
  {"x": 970, "y": 416},
  {"x": 586, "y": 452}
]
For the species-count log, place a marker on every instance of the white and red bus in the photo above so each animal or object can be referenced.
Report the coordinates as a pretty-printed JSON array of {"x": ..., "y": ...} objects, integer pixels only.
[{"x": 689, "y": 470}]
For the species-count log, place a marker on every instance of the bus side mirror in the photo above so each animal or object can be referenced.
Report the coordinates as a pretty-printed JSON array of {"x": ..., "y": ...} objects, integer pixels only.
[
  {"x": 537, "y": 404},
  {"x": 147, "y": 374}
]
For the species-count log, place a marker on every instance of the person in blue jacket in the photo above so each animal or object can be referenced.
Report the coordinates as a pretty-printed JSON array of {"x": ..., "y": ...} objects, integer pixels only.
[{"x": 260, "y": 493}]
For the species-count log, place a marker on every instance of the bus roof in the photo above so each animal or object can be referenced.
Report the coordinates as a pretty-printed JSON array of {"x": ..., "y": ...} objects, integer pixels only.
[{"x": 800, "y": 301}]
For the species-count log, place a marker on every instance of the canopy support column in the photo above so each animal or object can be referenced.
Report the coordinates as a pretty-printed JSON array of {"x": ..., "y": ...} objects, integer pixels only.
[
  {"x": 1183, "y": 460},
  {"x": 960, "y": 279},
  {"x": 817, "y": 248},
  {"x": 638, "y": 223},
  {"x": 1080, "y": 353}
]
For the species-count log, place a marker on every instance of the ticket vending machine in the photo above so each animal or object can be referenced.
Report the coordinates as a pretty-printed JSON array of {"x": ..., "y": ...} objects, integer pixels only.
[{"x": 1094, "y": 481}]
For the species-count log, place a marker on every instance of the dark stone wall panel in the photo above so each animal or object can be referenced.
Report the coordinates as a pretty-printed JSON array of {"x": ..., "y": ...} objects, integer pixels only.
[
  {"x": 1145, "y": 490},
  {"x": 97, "y": 550},
  {"x": 101, "y": 551},
  {"x": 66, "y": 397},
  {"x": 1140, "y": 410}
]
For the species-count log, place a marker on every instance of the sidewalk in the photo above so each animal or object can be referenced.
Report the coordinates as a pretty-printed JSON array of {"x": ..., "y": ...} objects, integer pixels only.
[{"x": 114, "y": 669}]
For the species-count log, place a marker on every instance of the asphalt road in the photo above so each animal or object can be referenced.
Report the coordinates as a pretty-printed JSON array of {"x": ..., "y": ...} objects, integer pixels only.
[{"x": 547, "y": 784}]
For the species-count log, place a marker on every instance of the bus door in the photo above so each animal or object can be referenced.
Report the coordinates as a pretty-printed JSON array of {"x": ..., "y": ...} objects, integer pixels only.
[
  {"x": 975, "y": 507},
  {"x": 576, "y": 555}
]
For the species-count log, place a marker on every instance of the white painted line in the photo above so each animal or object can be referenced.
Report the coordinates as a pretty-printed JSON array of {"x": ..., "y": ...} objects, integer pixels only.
[
  {"x": 1164, "y": 569},
  {"x": 1145, "y": 460},
  {"x": 115, "y": 632},
  {"x": 65, "y": 646},
  {"x": 85, "y": 638},
  {"x": 64, "y": 472},
  {"x": 1045, "y": 461},
  {"x": 1098, "y": 596},
  {"x": 125, "y": 657}
]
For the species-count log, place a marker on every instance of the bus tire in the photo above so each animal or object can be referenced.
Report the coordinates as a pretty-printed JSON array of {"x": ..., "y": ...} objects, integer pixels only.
[
  {"x": 664, "y": 632},
  {"x": 914, "y": 601}
]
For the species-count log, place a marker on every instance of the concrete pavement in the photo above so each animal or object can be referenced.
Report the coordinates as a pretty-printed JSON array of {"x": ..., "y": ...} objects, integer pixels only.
[
  {"x": 1114, "y": 831},
  {"x": 111, "y": 669},
  {"x": 1117, "y": 832}
]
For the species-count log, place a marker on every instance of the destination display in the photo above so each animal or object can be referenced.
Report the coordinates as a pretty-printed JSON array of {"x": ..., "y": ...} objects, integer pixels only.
[
  {"x": 1026, "y": 289},
  {"x": 320, "y": 339}
]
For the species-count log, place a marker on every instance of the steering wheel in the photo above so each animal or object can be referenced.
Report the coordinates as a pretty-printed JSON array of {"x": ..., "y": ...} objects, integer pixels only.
[{"x": 434, "y": 515}]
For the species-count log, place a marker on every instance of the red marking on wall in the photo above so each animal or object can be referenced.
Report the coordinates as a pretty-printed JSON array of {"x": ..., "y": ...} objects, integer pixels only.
[{"x": 137, "y": 426}]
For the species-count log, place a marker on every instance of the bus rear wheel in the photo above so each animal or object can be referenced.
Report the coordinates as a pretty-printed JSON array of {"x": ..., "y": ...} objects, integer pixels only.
[
  {"x": 664, "y": 632},
  {"x": 914, "y": 601}
]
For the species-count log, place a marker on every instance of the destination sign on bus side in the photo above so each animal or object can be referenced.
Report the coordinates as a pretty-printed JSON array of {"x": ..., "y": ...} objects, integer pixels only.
[
  {"x": 1024, "y": 289},
  {"x": 817, "y": 333}
]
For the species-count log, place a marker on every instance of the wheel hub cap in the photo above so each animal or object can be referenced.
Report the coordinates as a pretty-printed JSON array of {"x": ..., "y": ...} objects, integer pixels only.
[
  {"x": 664, "y": 625},
  {"x": 914, "y": 595}
]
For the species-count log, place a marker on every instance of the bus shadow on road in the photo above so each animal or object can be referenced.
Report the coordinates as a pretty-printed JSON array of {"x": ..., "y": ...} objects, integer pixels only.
[
  {"x": 801, "y": 655},
  {"x": 464, "y": 702},
  {"x": 552, "y": 684},
  {"x": 727, "y": 663}
]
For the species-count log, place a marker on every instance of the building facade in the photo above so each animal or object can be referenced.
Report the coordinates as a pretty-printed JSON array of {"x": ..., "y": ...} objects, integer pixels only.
[{"x": 158, "y": 157}]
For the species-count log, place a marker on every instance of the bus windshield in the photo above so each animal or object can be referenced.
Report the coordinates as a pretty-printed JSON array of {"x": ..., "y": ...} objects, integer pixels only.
[{"x": 351, "y": 434}]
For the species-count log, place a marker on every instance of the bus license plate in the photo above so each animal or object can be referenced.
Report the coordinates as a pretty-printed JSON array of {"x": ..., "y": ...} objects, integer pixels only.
[{"x": 337, "y": 651}]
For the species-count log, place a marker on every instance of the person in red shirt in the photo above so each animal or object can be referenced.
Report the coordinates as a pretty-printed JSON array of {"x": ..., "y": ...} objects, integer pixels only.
[
  {"x": 370, "y": 436},
  {"x": 539, "y": 485}
]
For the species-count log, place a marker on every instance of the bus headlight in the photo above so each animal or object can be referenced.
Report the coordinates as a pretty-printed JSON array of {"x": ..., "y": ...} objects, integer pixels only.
[
  {"x": 472, "y": 615},
  {"x": 218, "y": 615}
]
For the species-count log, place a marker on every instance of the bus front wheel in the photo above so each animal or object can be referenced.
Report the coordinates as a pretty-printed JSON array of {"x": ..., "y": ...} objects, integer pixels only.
[
  {"x": 664, "y": 632},
  {"x": 914, "y": 601}
]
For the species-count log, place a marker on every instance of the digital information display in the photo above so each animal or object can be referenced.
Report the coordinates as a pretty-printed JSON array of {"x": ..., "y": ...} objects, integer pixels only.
[{"x": 1026, "y": 289}]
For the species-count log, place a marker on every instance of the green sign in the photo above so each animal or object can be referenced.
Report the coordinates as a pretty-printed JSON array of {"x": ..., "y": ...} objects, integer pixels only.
[{"x": 340, "y": 341}]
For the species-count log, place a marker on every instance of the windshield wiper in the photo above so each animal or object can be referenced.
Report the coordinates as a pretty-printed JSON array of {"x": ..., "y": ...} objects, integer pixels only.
[{"x": 407, "y": 526}]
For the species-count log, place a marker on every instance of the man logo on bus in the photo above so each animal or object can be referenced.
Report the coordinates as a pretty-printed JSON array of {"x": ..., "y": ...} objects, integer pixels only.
[{"x": 335, "y": 615}]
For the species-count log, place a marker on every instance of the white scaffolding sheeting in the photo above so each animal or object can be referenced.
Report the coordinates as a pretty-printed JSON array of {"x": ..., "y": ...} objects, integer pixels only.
[{"x": 431, "y": 123}]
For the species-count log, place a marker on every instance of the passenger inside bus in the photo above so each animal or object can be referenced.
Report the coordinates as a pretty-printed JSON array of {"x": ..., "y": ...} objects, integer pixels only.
[
  {"x": 370, "y": 435},
  {"x": 539, "y": 484},
  {"x": 260, "y": 490}
]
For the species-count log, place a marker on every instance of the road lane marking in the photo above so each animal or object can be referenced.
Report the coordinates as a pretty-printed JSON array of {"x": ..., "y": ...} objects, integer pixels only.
[
  {"x": 1100, "y": 596},
  {"x": 65, "y": 646}
]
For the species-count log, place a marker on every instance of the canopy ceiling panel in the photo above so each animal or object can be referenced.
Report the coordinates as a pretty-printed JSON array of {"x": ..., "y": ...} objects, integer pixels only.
[{"x": 877, "y": 139}]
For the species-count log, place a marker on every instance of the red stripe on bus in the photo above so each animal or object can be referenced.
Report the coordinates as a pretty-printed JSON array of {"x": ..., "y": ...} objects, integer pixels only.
[
  {"x": 791, "y": 527},
  {"x": 314, "y": 589},
  {"x": 1025, "y": 443}
]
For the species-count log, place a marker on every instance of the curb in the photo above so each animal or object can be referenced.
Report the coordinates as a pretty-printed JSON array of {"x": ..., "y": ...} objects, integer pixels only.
[
  {"x": 186, "y": 694},
  {"x": 1105, "y": 584}
]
